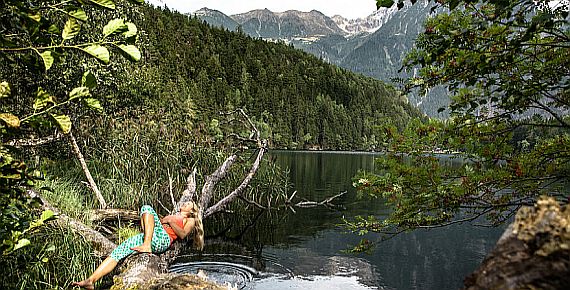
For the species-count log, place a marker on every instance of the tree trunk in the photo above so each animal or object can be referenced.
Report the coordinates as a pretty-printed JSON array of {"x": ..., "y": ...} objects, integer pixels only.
[{"x": 100, "y": 243}]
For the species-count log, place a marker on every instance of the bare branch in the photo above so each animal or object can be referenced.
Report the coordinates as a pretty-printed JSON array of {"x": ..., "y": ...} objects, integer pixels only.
[
  {"x": 291, "y": 197},
  {"x": 92, "y": 183},
  {"x": 213, "y": 179},
  {"x": 328, "y": 200},
  {"x": 163, "y": 206},
  {"x": 325, "y": 202},
  {"x": 252, "y": 202},
  {"x": 230, "y": 197},
  {"x": 189, "y": 192},
  {"x": 254, "y": 130},
  {"x": 170, "y": 192},
  {"x": 100, "y": 215},
  {"x": 35, "y": 142}
]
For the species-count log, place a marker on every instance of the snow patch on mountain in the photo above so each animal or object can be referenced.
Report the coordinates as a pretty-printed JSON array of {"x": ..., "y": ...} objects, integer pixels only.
[{"x": 368, "y": 24}]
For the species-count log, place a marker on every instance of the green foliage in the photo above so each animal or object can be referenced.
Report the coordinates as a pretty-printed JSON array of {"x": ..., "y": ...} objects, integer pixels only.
[
  {"x": 15, "y": 215},
  {"x": 36, "y": 37},
  {"x": 66, "y": 195},
  {"x": 506, "y": 65},
  {"x": 126, "y": 231},
  {"x": 54, "y": 258}
]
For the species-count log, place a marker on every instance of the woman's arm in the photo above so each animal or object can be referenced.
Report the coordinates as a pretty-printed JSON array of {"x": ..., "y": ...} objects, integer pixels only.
[{"x": 183, "y": 232}]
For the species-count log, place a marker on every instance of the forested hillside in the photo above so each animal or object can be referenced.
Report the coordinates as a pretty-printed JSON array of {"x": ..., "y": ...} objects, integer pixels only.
[
  {"x": 385, "y": 37},
  {"x": 301, "y": 100}
]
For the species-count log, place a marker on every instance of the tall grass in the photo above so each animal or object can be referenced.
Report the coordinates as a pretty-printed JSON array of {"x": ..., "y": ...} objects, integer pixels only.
[
  {"x": 133, "y": 162},
  {"x": 55, "y": 258},
  {"x": 68, "y": 195}
]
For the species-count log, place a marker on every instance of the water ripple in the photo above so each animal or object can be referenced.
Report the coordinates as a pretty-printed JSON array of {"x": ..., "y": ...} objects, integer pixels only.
[{"x": 221, "y": 272}]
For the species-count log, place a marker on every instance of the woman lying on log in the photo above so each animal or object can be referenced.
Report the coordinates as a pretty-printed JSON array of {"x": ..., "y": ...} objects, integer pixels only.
[{"x": 157, "y": 237}]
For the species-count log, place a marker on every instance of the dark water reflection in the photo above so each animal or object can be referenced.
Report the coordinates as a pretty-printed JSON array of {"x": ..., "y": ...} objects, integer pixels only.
[{"x": 304, "y": 250}]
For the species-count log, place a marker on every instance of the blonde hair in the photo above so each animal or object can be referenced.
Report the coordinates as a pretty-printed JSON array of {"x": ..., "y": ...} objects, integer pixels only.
[
  {"x": 198, "y": 236},
  {"x": 198, "y": 232}
]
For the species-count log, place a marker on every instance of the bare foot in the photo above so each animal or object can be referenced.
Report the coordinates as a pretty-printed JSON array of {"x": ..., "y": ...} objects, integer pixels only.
[
  {"x": 142, "y": 249},
  {"x": 87, "y": 284}
]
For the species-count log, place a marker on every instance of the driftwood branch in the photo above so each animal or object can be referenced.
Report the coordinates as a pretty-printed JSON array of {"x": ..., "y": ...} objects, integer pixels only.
[
  {"x": 90, "y": 179},
  {"x": 101, "y": 215},
  {"x": 213, "y": 179},
  {"x": 190, "y": 191},
  {"x": 35, "y": 142},
  {"x": 170, "y": 181},
  {"x": 234, "y": 194},
  {"x": 255, "y": 134},
  {"x": 252, "y": 202},
  {"x": 325, "y": 202}
]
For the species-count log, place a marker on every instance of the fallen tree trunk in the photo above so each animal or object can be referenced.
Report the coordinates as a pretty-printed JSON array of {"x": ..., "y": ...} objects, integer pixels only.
[
  {"x": 100, "y": 243},
  {"x": 148, "y": 271}
]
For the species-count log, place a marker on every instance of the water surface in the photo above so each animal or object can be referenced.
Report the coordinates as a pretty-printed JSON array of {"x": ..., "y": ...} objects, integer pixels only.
[{"x": 304, "y": 249}]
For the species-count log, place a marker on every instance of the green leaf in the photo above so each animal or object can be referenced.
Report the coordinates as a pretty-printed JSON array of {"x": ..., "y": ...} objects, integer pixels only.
[
  {"x": 137, "y": 1},
  {"x": 88, "y": 80},
  {"x": 79, "y": 92},
  {"x": 21, "y": 243},
  {"x": 104, "y": 3},
  {"x": 115, "y": 25},
  {"x": 71, "y": 29},
  {"x": 45, "y": 260},
  {"x": 10, "y": 120},
  {"x": 98, "y": 51},
  {"x": 63, "y": 121},
  {"x": 131, "y": 30},
  {"x": 384, "y": 3},
  {"x": 50, "y": 248},
  {"x": 94, "y": 104},
  {"x": 47, "y": 215},
  {"x": 4, "y": 90},
  {"x": 53, "y": 29},
  {"x": 48, "y": 59},
  {"x": 35, "y": 17},
  {"x": 78, "y": 14},
  {"x": 43, "y": 99},
  {"x": 131, "y": 51}
]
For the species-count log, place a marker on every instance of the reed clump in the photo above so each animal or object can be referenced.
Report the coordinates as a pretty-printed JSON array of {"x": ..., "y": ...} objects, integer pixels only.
[{"x": 54, "y": 259}]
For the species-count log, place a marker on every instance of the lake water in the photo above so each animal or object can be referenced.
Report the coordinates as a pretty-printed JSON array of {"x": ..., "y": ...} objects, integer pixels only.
[{"x": 304, "y": 249}]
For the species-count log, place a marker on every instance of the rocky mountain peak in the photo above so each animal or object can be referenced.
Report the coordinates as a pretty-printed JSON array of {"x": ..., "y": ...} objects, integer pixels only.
[
  {"x": 288, "y": 24},
  {"x": 205, "y": 11},
  {"x": 368, "y": 24}
]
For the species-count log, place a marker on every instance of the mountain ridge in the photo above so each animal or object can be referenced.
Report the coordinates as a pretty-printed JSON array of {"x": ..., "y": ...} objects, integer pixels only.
[{"x": 373, "y": 46}]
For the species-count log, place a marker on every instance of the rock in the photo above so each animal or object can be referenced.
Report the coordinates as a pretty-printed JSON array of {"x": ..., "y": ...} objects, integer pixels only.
[{"x": 532, "y": 254}]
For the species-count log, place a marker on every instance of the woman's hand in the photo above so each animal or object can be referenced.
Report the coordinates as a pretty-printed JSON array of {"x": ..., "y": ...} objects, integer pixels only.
[{"x": 167, "y": 219}]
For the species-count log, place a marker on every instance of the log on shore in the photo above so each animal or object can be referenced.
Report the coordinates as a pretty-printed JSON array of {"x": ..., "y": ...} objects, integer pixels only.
[{"x": 148, "y": 271}]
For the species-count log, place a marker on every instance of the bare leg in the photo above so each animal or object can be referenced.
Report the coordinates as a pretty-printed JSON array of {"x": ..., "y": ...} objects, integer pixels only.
[
  {"x": 147, "y": 221},
  {"x": 105, "y": 268}
]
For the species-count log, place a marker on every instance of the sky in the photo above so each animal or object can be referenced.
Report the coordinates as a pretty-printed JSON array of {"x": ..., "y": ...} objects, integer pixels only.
[{"x": 347, "y": 8}]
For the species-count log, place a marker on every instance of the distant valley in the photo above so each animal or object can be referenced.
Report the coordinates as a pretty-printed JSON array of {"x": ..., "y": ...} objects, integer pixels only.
[{"x": 373, "y": 46}]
